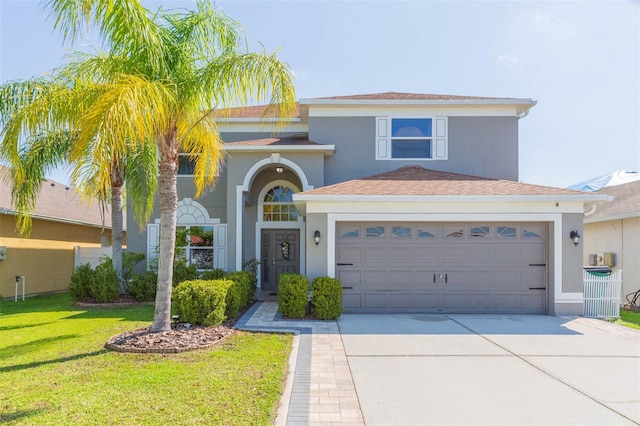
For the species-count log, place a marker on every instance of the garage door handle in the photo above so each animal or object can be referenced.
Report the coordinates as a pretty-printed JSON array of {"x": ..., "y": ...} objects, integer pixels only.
[
  {"x": 446, "y": 278},
  {"x": 347, "y": 288},
  {"x": 537, "y": 264},
  {"x": 345, "y": 264},
  {"x": 537, "y": 288}
]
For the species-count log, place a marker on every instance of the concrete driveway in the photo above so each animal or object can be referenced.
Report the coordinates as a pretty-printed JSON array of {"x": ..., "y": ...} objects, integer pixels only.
[{"x": 492, "y": 369}]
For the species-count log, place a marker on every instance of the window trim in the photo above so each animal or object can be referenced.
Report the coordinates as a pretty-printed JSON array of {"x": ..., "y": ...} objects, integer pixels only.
[{"x": 439, "y": 138}]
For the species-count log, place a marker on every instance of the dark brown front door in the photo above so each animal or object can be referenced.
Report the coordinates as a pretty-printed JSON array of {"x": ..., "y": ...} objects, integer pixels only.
[{"x": 280, "y": 254}]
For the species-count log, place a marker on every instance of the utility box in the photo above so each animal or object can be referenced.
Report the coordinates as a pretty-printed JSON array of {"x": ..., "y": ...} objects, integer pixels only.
[
  {"x": 609, "y": 259},
  {"x": 593, "y": 259},
  {"x": 3, "y": 253}
]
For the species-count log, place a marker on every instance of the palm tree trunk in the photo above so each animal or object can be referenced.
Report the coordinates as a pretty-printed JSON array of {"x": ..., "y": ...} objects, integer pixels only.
[
  {"x": 116, "y": 233},
  {"x": 168, "y": 212}
]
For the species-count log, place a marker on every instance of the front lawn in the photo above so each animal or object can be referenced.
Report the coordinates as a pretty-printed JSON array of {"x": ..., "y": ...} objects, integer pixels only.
[
  {"x": 629, "y": 319},
  {"x": 54, "y": 370}
]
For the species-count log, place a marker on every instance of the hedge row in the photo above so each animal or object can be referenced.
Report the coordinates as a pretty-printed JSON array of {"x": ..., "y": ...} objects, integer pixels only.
[
  {"x": 293, "y": 296},
  {"x": 210, "y": 302}
]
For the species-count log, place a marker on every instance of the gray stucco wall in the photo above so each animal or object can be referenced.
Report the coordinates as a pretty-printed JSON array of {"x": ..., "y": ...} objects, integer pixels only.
[
  {"x": 571, "y": 264},
  {"x": 482, "y": 146},
  {"x": 316, "y": 255}
]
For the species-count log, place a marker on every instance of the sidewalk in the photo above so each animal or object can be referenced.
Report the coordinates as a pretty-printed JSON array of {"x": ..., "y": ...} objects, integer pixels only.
[{"x": 319, "y": 389}]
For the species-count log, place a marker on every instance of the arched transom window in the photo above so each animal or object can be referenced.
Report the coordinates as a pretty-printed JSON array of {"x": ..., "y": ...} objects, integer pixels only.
[{"x": 278, "y": 205}]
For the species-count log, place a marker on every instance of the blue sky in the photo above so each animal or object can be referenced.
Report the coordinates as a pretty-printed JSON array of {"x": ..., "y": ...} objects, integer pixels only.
[{"x": 580, "y": 60}]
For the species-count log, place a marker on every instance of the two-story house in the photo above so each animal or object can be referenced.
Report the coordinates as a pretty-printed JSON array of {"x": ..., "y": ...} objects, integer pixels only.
[{"x": 411, "y": 200}]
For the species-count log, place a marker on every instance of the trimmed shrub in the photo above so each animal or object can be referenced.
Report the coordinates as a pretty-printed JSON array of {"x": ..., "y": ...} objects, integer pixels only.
[
  {"x": 235, "y": 298},
  {"x": 247, "y": 282},
  {"x": 81, "y": 282},
  {"x": 326, "y": 298},
  {"x": 105, "y": 287},
  {"x": 292, "y": 295},
  {"x": 212, "y": 274},
  {"x": 143, "y": 286},
  {"x": 183, "y": 272},
  {"x": 130, "y": 260},
  {"x": 201, "y": 302}
]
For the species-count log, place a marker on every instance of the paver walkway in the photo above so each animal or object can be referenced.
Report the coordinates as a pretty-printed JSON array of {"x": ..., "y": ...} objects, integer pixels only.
[{"x": 319, "y": 388}]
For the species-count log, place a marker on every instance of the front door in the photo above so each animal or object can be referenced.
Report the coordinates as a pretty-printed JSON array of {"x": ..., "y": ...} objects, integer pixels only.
[{"x": 280, "y": 254}]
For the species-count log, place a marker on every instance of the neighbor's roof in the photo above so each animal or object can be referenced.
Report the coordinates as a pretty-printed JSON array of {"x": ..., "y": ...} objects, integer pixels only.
[
  {"x": 299, "y": 140},
  {"x": 392, "y": 98},
  {"x": 57, "y": 202},
  {"x": 625, "y": 204},
  {"x": 417, "y": 181}
]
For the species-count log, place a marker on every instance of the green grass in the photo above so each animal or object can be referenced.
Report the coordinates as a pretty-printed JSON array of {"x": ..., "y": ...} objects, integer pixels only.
[
  {"x": 629, "y": 319},
  {"x": 54, "y": 370}
]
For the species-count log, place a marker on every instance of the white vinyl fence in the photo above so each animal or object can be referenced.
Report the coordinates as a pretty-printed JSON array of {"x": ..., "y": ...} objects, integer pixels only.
[
  {"x": 602, "y": 294},
  {"x": 90, "y": 255}
]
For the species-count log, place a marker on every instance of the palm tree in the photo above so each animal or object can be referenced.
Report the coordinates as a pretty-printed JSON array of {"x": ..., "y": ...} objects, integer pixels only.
[
  {"x": 45, "y": 151},
  {"x": 163, "y": 74}
]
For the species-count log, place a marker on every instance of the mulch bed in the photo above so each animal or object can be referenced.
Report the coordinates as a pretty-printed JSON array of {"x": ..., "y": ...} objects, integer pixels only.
[{"x": 183, "y": 337}]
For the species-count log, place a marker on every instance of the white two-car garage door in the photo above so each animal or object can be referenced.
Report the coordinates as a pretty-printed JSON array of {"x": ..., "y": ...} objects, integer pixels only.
[{"x": 442, "y": 267}]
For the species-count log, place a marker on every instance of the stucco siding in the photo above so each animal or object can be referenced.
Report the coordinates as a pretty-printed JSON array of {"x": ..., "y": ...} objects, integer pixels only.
[
  {"x": 46, "y": 258},
  {"x": 482, "y": 146},
  {"x": 622, "y": 237}
]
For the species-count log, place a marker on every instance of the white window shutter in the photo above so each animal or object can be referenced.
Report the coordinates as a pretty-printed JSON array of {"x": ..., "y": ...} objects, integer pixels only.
[
  {"x": 221, "y": 247},
  {"x": 153, "y": 242},
  {"x": 383, "y": 138},
  {"x": 440, "y": 138}
]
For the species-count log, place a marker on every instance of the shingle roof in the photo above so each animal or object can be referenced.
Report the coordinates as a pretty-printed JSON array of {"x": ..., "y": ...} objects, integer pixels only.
[
  {"x": 256, "y": 111},
  {"x": 398, "y": 96},
  {"x": 296, "y": 140},
  {"x": 416, "y": 180},
  {"x": 58, "y": 202},
  {"x": 626, "y": 203}
]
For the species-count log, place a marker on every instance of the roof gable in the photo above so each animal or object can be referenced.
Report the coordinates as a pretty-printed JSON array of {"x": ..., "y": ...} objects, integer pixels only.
[{"x": 418, "y": 181}]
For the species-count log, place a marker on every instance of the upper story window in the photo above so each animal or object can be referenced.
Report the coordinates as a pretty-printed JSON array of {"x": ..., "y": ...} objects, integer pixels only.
[
  {"x": 420, "y": 138},
  {"x": 278, "y": 205},
  {"x": 411, "y": 138},
  {"x": 185, "y": 164}
]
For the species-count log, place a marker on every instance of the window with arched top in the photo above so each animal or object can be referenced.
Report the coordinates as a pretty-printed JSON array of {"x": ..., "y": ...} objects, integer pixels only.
[{"x": 277, "y": 205}]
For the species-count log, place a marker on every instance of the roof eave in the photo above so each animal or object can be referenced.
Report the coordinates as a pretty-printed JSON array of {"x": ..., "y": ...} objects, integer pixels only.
[
  {"x": 453, "y": 102},
  {"x": 448, "y": 198},
  {"x": 327, "y": 150}
]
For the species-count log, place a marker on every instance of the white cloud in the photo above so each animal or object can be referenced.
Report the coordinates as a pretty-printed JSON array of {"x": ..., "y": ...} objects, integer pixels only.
[{"x": 507, "y": 58}]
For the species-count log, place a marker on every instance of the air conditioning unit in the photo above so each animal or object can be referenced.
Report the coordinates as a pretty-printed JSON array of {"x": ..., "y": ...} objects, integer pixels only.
[
  {"x": 593, "y": 261},
  {"x": 609, "y": 259}
]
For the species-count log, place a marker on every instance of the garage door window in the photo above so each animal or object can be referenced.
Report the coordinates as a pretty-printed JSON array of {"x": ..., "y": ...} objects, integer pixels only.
[
  {"x": 401, "y": 232},
  {"x": 534, "y": 232},
  {"x": 427, "y": 232},
  {"x": 479, "y": 232},
  {"x": 506, "y": 232},
  {"x": 375, "y": 232},
  {"x": 454, "y": 232}
]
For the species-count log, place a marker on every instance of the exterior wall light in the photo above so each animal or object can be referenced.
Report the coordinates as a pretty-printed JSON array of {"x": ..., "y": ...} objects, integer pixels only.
[
  {"x": 279, "y": 169},
  {"x": 316, "y": 237},
  {"x": 575, "y": 237}
]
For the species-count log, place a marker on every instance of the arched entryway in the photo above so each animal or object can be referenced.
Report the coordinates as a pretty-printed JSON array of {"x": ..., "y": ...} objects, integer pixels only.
[{"x": 279, "y": 228}]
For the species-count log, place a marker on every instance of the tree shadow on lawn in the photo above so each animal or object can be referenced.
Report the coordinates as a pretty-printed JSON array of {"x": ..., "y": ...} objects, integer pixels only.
[
  {"x": 17, "y": 415},
  {"x": 137, "y": 313},
  {"x": 22, "y": 348},
  {"x": 35, "y": 364},
  {"x": 18, "y": 327}
]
